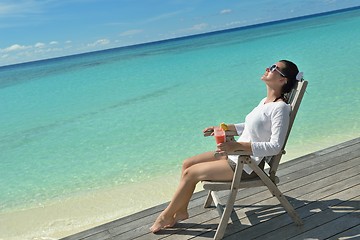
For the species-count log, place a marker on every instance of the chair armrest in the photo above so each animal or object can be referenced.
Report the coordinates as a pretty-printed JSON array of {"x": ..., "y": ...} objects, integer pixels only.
[
  {"x": 228, "y": 133},
  {"x": 240, "y": 152},
  {"x": 231, "y": 133}
]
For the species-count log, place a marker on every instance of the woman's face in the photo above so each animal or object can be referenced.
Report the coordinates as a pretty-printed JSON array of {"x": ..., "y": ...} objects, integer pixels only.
[{"x": 273, "y": 75}]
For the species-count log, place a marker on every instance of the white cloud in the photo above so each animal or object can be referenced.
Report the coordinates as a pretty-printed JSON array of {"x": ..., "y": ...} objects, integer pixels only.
[
  {"x": 54, "y": 43},
  {"x": 236, "y": 23},
  {"x": 225, "y": 11},
  {"x": 100, "y": 42},
  {"x": 39, "y": 45},
  {"x": 5, "y": 8},
  {"x": 192, "y": 30},
  {"x": 21, "y": 7},
  {"x": 131, "y": 32},
  {"x": 199, "y": 27},
  {"x": 15, "y": 47},
  {"x": 103, "y": 41}
]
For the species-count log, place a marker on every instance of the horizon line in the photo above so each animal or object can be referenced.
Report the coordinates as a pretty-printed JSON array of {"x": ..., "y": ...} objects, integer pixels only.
[{"x": 251, "y": 26}]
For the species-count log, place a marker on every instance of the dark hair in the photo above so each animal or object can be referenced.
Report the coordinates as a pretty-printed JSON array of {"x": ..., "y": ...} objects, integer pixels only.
[{"x": 290, "y": 71}]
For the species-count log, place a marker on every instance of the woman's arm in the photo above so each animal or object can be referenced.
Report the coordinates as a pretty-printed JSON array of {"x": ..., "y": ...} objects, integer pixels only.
[
  {"x": 279, "y": 126},
  {"x": 231, "y": 127},
  {"x": 231, "y": 147}
]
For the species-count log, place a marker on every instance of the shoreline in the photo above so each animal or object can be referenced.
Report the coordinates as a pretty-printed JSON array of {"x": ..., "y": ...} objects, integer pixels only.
[{"x": 65, "y": 217}]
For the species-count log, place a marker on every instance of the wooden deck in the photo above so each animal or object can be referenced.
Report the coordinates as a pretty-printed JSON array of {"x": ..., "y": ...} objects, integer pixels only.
[{"x": 323, "y": 187}]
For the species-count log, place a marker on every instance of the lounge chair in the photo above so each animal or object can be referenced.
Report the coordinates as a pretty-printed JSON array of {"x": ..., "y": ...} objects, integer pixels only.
[{"x": 263, "y": 179}]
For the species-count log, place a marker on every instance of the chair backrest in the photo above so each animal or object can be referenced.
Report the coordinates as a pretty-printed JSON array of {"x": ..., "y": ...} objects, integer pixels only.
[{"x": 295, "y": 98}]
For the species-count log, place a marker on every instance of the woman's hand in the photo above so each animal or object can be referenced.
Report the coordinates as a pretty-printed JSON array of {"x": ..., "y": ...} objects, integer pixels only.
[
  {"x": 209, "y": 131},
  {"x": 222, "y": 150},
  {"x": 228, "y": 147}
]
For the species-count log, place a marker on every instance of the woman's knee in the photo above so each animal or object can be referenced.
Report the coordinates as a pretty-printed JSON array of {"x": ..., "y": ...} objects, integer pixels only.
[
  {"x": 203, "y": 157},
  {"x": 186, "y": 164},
  {"x": 190, "y": 175}
]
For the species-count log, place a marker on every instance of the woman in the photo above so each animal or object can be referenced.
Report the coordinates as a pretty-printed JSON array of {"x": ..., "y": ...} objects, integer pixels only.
[{"x": 262, "y": 134}]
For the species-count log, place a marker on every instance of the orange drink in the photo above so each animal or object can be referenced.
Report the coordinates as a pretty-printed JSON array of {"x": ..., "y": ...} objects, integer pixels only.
[{"x": 219, "y": 135}]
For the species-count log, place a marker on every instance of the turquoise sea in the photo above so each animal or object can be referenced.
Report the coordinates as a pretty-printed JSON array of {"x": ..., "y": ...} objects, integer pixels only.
[{"x": 106, "y": 119}]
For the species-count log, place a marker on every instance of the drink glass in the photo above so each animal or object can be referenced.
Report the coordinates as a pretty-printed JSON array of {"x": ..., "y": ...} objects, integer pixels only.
[{"x": 219, "y": 135}]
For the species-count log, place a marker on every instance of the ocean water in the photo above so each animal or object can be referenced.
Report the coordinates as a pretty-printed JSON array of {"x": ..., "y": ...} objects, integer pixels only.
[{"x": 82, "y": 123}]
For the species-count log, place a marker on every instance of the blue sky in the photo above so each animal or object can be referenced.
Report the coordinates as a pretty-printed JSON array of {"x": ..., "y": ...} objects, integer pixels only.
[{"x": 40, "y": 29}]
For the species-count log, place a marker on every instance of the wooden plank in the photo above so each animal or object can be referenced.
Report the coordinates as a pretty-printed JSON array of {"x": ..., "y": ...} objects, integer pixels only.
[
  {"x": 329, "y": 229},
  {"x": 352, "y": 233},
  {"x": 98, "y": 236},
  {"x": 281, "y": 227},
  {"x": 298, "y": 165},
  {"x": 97, "y": 233},
  {"x": 91, "y": 234},
  {"x": 291, "y": 167},
  {"x": 256, "y": 214}
]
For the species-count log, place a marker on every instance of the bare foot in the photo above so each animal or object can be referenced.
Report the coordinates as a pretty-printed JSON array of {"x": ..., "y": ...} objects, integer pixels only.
[
  {"x": 178, "y": 217},
  {"x": 181, "y": 216},
  {"x": 162, "y": 222}
]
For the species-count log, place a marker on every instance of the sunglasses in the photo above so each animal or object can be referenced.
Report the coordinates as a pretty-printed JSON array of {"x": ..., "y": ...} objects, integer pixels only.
[{"x": 273, "y": 68}]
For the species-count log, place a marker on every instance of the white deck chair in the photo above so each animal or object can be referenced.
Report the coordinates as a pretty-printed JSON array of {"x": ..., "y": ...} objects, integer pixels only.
[{"x": 263, "y": 178}]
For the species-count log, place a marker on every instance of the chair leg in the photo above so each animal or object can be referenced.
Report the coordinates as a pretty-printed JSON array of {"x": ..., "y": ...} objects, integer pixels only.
[
  {"x": 226, "y": 215},
  {"x": 276, "y": 192},
  {"x": 209, "y": 200},
  {"x": 284, "y": 202},
  {"x": 289, "y": 208}
]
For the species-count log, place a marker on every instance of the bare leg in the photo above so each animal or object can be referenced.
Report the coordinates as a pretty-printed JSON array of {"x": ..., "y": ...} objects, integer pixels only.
[
  {"x": 212, "y": 170},
  {"x": 203, "y": 157},
  {"x": 182, "y": 213}
]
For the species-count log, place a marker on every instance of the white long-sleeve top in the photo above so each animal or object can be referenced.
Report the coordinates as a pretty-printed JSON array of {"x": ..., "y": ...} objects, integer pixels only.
[{"x": 265, "y": 127}]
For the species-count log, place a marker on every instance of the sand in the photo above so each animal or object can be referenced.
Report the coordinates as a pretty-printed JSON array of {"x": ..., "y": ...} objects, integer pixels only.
[{"x": 64, "y": 217}]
